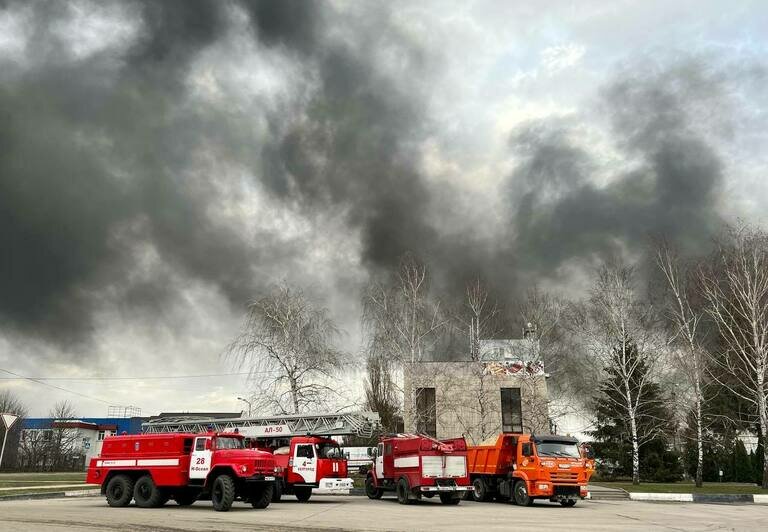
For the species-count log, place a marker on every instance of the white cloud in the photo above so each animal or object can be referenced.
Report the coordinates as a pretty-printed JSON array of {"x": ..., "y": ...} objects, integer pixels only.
[{"x": 561, "y": 57}]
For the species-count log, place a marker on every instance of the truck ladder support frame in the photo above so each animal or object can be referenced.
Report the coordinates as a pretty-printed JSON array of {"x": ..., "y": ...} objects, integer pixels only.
[{"x": 364, "y": 424}]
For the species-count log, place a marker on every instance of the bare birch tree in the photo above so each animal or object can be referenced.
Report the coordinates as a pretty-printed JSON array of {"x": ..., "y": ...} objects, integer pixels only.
[
  {"x": 478, "y": 316},
  {"x": 541, "y": 315},
  {"x": 403, "y": 321},
  {"x": 736, "y": 289},
  {"x": 618, "y": 331},
  {"x": 287, "y": 344},
  {"x": 685, "y": 316},
  {"x": 63, "y": 442}
]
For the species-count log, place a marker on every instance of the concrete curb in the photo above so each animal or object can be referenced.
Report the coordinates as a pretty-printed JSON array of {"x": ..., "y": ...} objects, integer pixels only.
[
  {"x": 703, "y": 498},
  {"x": 51, "y": 495}
]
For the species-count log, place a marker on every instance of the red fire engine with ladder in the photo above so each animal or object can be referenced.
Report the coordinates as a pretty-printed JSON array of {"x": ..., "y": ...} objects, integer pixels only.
[{"x": 301, "y": 445}]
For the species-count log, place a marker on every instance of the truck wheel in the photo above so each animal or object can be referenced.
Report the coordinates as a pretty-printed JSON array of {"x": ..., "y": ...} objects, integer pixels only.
[
  {"x": 449, "y": 498},
  {"x": 371, "y": 490},
  {"x": 261, "y": 495},
  {"x": 403, "y": 491},
  {"x": 568, "y": 502},
  {"x": 185, "y": 498},
  {"x": 303, "y": 493},
  {"x": 277, "y": 491},
  {"x": 480, "y": 494},
  {"x": 146, "y": 493},
  {"x": 223, "y": 493},
  {"x": 119, "y": 491},
  {"x": 521, "y": 494}
]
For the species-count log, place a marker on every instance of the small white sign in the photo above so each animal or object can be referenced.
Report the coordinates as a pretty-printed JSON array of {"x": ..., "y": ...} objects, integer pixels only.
[
  {"x": 9, "y": 420},
  {"x": 265, "y": 431}
]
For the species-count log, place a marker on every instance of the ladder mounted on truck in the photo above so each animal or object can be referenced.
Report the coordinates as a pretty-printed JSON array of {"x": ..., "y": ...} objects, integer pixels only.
[{"x": 364, "y": 424}]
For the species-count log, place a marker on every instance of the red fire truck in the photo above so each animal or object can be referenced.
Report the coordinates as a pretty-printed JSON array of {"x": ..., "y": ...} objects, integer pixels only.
[
  {"x": 153, "y": 468},
  {"x": 415, "y": 465},
  {"x": 308, "y": 462}
]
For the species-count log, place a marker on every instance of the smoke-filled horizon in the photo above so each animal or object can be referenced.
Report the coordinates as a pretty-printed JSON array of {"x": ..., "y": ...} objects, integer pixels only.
[{"x": 162, "y": 163}]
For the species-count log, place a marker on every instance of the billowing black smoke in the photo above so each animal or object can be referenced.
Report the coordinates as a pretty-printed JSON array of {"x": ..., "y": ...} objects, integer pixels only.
[{"x": 97, "y": 171}]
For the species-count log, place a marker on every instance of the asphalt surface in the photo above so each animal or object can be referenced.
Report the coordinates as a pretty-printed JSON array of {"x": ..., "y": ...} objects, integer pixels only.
[{"x": 359, "y": 513}]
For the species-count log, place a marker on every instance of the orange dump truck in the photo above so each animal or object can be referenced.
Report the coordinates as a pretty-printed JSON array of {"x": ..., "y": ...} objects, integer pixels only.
[{"x": 523, "y": 467}]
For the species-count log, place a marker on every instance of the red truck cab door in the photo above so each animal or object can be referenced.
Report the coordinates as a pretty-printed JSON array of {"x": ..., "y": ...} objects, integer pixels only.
[
  {"x": 200, "y": 460},
  {"x": 305, "y": 462}
]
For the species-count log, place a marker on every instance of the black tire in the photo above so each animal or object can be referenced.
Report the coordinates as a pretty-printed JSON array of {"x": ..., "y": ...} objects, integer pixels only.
[
  {"x": 261, "y": 495},
  {"x": 277, "y": 490},
  {"x": 521, "y": 494},
  {"x": 119, "y": 491},
  {"x": 146, "y": 493},
  {"x": 185, "y": 498},
  {"x": 371, "y": 490},
  {"x": 403, "y": 491},
  {"x": 450, "y": 499},
  {"x": 223, "y": 493},
  {"x": 480, "y": 494},
  {"x": 303, "y": 493},
  {"x": 568, "y": 503}
]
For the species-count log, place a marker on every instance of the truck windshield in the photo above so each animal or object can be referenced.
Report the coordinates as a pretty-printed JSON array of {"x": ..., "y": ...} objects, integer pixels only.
[
  {"x": 328, "y": 450},
  {"x": 557, "y": 448},
  {"x": 229, "y": 443}
]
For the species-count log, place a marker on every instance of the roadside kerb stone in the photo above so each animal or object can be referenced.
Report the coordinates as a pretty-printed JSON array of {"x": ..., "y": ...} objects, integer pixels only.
[
  {"x": 703, "y": 498},
  {"x": 50, "y": 495}
]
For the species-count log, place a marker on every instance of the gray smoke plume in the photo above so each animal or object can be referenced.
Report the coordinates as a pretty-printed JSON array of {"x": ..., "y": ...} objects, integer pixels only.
[{"x": 113, "y": 179}]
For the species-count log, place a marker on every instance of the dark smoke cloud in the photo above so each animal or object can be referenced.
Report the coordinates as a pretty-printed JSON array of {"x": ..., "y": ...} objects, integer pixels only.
[
  {"x": 94, "y": 169},
  {"x": 668, "y": 178},
  {"x": 98, "y": 155}
]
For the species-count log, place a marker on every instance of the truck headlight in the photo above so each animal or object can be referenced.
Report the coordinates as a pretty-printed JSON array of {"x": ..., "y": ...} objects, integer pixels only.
[
  {"x": 243, "y": 468},
  {"x": 548, "y": 463},
  {"x": 543, "y": 487}
]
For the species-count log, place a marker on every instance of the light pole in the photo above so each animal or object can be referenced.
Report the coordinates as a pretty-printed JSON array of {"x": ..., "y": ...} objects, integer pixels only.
[{"x": 248, "y": 403}]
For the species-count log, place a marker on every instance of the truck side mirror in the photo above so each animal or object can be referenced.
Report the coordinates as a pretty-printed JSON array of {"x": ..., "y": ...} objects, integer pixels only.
[
  {"x": 373, "y": 452},
  {"x": 208, "y": 444},
  {"x": 589, "y": 452}
]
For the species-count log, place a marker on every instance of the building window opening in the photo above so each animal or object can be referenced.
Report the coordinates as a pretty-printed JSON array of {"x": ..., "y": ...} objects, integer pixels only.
[
  {"x": 426, "y": 412},
  {"x": 511, "y": 410}
]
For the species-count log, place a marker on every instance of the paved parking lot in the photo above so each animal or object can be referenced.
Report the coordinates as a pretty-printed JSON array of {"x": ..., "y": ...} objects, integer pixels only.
[{"x": 359, "y": 513}]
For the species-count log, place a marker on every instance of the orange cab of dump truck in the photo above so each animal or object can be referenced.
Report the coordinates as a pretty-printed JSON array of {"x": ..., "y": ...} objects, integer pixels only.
[{"x": 522, "y": 467}]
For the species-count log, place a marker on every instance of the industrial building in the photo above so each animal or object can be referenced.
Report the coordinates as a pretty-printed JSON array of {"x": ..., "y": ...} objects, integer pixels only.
[{"x": 504, "y": 390}]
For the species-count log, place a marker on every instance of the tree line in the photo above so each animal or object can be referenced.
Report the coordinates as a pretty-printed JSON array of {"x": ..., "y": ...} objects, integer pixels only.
[{"x": 48, "y": 448}]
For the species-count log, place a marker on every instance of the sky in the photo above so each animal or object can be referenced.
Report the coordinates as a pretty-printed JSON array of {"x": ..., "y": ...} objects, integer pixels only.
[{"x": 163, "y": 163}]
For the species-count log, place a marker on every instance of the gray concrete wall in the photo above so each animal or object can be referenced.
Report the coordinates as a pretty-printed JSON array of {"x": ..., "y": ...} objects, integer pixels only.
[{"x": 468, "y": 398}]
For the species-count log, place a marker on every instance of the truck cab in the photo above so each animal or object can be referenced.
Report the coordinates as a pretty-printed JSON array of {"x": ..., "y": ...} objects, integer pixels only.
[
  {"x": 154, "y": 468},
  {"x": 309, "y": 462},
  {"x": 416, "y": 466}
]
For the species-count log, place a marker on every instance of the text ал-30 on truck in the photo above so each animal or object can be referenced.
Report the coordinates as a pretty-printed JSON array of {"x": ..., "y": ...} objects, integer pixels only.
[{"x": 154, "y": 468}]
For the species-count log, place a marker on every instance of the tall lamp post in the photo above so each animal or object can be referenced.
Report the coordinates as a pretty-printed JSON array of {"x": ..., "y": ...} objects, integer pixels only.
[{"x": 248, "y": 403}]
